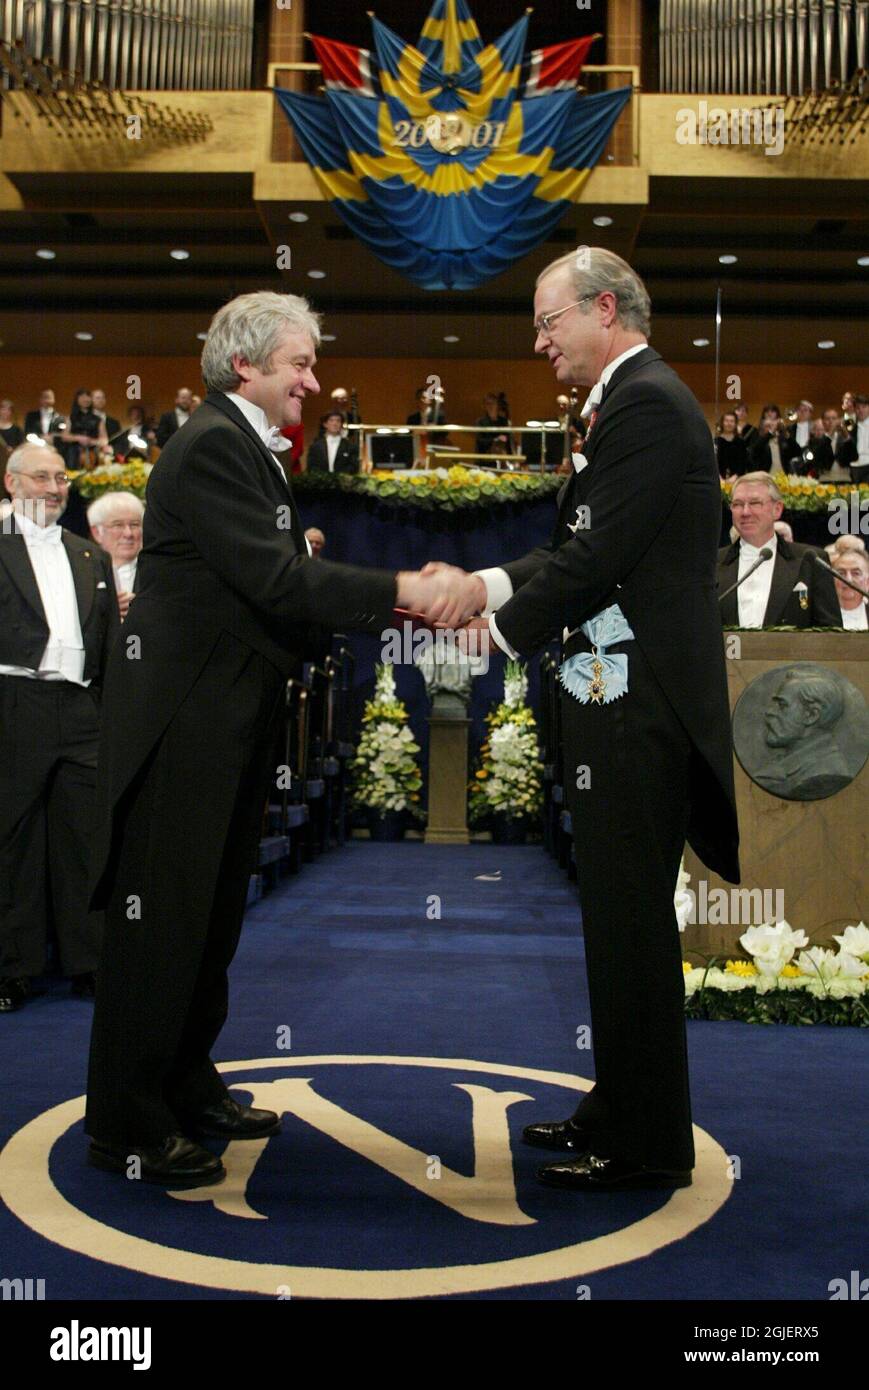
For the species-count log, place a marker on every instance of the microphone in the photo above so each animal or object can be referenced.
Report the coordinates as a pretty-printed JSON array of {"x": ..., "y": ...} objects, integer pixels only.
[
  {"x": 841, "y": 578},
  {"x": 765, "y": 554}
]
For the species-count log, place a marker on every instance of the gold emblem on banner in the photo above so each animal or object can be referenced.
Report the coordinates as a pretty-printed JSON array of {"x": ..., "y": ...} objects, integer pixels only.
[{"x": 448, "y": 133}]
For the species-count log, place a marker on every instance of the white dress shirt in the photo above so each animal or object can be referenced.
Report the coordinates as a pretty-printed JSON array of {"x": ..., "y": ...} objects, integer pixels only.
[
  {"x": 269, "y": 434},
  {"x": 863, "y": 443},
  {"x": 333, "y": 444},
  {"x": 125, "y": 576},
  {"x": 802, "y": 433},
  {"x": 855, "y": 619},
  {"x": 45, "y": 419},
  {"x": 63, "y": 658},
  {"x": 499, "y": 587},
  {"x": 752, "y": 597}
]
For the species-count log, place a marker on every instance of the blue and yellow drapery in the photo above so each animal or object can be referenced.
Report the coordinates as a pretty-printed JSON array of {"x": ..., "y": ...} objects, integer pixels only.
[{"x": 408, "y": 171}]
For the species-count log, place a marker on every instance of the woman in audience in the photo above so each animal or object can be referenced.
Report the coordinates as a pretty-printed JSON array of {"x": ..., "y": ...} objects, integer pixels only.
[
  {"x": 84, "y": 434},
  {"x": 11, "y": 434},
  {"x": 848, "y": 558},
  {"x": 136, "y": 426},
  {"x": 730, "y": 448},
  {"x": 497, "y": 414}
]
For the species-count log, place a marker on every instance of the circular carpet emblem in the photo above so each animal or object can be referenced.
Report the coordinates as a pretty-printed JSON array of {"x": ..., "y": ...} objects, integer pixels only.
[{"x": 393, "y": 1177}]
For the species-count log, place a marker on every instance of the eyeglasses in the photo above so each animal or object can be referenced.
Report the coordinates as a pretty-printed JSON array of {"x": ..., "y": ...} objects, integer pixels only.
[
  {"x": 120, "y": 525},
  {"x": 42, "y": 478},
  {"x": 544, "y": 323},
  {"x": 754, "y": 506}
]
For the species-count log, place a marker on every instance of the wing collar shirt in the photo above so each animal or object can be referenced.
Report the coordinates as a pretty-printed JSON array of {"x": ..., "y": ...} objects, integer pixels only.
[
  {"x": 753, "y": 595},
  {"x": 499, "y": 587},
  {"x": 63, "y": 658},
  {"x": 269, "y": 434},
  {"x": 333, "y": 444}
]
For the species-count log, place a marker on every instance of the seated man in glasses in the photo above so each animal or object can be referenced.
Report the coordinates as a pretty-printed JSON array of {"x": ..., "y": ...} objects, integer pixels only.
[{"x": 115, "y": 520}]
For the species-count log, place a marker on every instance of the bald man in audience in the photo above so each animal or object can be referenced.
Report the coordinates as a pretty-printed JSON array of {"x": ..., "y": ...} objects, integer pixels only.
[{"x": 57, "y": 595}]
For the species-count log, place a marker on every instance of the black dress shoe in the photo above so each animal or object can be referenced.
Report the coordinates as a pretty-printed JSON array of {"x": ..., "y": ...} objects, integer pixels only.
[
  {"x": 177, "y": 1162},
  {"x": 226, "y": 1119},
  {"x": 84, "y": 986},
  {"x": 13, "y": 994},
  {"x": 588, "y": 1173},
  {"x": 564, "y": 1135}
]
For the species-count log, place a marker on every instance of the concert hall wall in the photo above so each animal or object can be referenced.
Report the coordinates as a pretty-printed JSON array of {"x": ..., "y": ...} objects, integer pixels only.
[{"x": 387, "y": 385}]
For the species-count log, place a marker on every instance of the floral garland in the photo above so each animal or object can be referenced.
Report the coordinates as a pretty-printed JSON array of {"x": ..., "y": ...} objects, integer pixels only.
[
  {"x": 447, "y": 489},
  {"x": 386, "y": 775},
  {"x": 113, "y": 477},
  {"x": 821, "y": 986},
  {"x": 509, "y": 778},
  {"x": 803, "y": 494}
]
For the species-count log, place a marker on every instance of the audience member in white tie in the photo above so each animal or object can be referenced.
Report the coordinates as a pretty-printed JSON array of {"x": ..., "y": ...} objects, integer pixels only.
[
  {"x": 57, "y": 594},
  {"x": 788, "y": 589},
  {"x": 849, "y": 559},
  {"x": 115, "y": 520}
]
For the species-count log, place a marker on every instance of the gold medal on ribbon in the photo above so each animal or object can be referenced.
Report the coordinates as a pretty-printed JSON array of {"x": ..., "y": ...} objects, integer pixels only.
[{"x": 596, "y": 686}]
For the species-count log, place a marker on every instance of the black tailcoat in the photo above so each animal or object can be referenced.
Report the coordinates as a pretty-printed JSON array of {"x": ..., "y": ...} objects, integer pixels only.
[
  {"x": 225, "y": 595},
  {"x": 653, "y": 767},
  {"x": 793, "y": 564},
  {"x": 48, "y": 757}
]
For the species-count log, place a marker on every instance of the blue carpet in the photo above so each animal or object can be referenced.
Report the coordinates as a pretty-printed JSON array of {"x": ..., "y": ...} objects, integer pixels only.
[{"x": 349, "y": 960}]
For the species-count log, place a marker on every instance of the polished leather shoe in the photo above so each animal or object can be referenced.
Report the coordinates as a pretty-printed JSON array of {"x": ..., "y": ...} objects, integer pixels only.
[
  {"x": 13, "y": 994},
  {"x": 588, "y": 1173},
  {"x": 564, "y": 1135},
  {"x": 226, "y": 1119},
  {"x": 84, "y": 986},
  {"x": 177, "y": 1162}
]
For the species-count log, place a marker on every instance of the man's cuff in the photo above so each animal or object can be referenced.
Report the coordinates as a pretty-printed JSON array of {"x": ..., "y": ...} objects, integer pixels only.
[
  {"x": 501, "y": 641},
  {"x": 499, "y": 588}
]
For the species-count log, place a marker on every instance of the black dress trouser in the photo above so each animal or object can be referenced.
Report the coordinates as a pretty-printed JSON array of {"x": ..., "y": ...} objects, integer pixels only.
[
  {"x": 629, "y": 828},
  {"x": 190, "y": 827},
  {"x": 49, "y": 733}
]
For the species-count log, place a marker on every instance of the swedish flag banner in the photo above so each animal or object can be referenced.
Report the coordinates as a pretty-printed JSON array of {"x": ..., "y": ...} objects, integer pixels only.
[{"x": 453, "y": 158}]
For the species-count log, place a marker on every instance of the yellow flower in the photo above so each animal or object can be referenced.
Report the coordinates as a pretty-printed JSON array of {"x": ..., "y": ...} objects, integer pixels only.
[
  {"x": 686, "y": 967},
  {"x": 740, "y": 967},
  {"x": 790, "y": 972},
  {"x": 482, "y": 774}
]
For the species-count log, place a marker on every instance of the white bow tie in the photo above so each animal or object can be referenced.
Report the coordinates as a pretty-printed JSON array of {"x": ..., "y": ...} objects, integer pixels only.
[
  {"x": 45, "y": 535},
  {"x": 275, "y": 441}
]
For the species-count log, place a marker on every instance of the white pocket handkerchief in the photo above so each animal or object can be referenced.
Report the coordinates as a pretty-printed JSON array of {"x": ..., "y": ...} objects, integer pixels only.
[
  {"x": 579, "y": 462},
  {"x": 102, "y": 584}
]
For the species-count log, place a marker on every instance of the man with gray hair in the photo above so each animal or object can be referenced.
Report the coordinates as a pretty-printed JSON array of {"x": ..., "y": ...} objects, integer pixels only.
[
  {"x": 788, "y": 589},
  {"x": 115, "y": 520},
  {"x": 226, "y": 592},
  {"x": 628, "y": 583},
  {"x": 60, "y": 618}
]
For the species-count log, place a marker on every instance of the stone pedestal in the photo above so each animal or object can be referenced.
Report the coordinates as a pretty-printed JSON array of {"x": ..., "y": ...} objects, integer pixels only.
[{"x": 448, "y": 772}]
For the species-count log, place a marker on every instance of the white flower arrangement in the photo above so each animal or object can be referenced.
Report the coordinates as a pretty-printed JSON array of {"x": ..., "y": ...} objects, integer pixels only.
[
  {"x": 509, "y": 778},
  {"x": 385, "y": 768},
  {"x": 824, "y": 973}
]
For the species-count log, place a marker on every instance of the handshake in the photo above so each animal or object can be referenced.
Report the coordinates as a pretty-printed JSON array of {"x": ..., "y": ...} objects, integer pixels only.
[{"x": 444, "y": 595}]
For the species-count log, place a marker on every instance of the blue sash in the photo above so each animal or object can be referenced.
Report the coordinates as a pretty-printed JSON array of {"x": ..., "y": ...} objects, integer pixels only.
[{"x": 597, "y": 677}]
